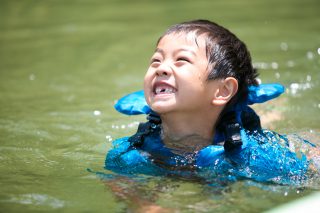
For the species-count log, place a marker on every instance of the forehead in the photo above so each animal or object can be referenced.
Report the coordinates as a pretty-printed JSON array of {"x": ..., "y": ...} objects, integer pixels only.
[{"x": 184, "y": 39}]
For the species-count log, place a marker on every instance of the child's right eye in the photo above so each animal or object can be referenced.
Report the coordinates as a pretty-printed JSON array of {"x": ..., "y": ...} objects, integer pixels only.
[{"x": 155, "y": 60}]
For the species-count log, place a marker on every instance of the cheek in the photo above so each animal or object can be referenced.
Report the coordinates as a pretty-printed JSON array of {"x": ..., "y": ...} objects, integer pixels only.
[
  {"x": 193, "y": 82},
  {"x": 147, "y": 77},
  {"x": 147, "y": 85},
  {"x": 149, "y": 74}
]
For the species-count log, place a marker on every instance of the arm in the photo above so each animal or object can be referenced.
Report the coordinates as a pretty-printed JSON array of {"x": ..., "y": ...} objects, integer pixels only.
[{"x": 137, "y": 195}]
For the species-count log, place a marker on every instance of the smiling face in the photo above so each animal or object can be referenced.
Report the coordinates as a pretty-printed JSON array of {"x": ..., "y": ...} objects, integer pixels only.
[{"x": 176, "y": 80}]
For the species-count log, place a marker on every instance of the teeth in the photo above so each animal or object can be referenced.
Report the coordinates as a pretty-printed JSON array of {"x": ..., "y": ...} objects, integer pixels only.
[
  {"x": 163, "y": 90},
  {"x": 168, "y": 90},
  {"x": 158, "y": 90}
]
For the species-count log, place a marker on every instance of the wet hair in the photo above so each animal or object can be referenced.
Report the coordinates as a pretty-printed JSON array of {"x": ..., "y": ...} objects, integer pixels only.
[{"x": 227, "y": 55}]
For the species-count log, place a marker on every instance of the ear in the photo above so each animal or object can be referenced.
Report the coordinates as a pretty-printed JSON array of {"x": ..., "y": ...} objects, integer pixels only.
[{"x": 226, "y": 90}]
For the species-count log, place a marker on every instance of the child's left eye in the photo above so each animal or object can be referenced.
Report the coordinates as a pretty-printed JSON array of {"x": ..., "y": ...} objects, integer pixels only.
[{"x": 183, "y": 59}]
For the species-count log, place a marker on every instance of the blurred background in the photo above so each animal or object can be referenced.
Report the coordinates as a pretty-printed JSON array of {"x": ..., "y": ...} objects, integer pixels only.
[{"x": 63, "y": 64}]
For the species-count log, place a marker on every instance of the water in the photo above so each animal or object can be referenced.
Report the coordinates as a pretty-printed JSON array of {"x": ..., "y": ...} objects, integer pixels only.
[{"x": 63, "y": 64}]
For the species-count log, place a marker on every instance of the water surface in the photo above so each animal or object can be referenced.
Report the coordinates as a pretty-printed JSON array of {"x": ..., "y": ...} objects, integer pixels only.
[{"x": 64, "y": 63}]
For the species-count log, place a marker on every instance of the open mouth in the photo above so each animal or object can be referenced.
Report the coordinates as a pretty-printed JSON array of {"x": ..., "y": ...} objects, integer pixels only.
[{"x": 163, "y": 89}]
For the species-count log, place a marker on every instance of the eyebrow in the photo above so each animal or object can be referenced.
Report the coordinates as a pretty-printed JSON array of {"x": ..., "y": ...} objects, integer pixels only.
[
  {"x": 178, "y": 50},
  {"x": 158, "y": 50}
]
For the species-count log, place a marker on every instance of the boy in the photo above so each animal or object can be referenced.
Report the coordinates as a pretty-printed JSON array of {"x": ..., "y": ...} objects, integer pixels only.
[{"x": 197, "y": 88}]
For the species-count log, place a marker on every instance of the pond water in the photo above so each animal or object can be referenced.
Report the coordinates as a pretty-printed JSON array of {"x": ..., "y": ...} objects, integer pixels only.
[{"x": 63, "y": 64}]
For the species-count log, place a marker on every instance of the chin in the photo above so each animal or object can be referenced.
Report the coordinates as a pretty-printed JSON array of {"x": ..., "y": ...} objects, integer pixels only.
[{"x": 161, "y": 108}]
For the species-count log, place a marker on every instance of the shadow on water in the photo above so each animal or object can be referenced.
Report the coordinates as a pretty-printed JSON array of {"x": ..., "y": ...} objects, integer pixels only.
[{"x": 64, "y": 63}]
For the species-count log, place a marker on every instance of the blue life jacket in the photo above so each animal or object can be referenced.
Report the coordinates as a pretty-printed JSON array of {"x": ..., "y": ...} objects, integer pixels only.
[{"x": 248, "y": 150}]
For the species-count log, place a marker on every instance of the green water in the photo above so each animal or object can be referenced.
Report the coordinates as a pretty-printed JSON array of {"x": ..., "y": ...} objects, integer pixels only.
[{"x": 64, "y": 63}]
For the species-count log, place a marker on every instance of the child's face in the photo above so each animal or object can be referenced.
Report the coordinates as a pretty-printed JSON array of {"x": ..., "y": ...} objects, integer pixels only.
[{"x": 176, "y": 79}]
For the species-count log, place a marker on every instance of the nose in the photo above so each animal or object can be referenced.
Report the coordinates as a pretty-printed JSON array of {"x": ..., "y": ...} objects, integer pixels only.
[{"x": 164, "y": 69}]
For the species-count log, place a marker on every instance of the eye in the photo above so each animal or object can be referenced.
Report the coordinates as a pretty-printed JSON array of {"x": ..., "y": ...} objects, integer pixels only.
[
  {"x": 155, "y": 61},
  {"x": 183, "y": 59}
]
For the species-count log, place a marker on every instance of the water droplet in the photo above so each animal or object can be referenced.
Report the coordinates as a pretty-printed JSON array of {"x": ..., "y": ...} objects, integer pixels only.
[
  {"x": 114, "y": 126},
  {"x": 108, "y": 138},
  {"x": 259, "y": 80},
  {"x": 32, "y": 77},
  {"x": 294, "y": 88},
  {"x": 123, "y": 126},
  {"x": 286, "y": 194},
  {"x": 310, "y": 55},
  {"x": 277, "y": 75},
  {"x": 290, "y": 63},
  {"x": 260, "y": 65},
  {"x": 308, "y": 77},
  {"x": 318, "y": 51},
  {"x": 274, "y": 65},
  {"x": 97, "y": 112},
  {"x": 284, "y": 46}
]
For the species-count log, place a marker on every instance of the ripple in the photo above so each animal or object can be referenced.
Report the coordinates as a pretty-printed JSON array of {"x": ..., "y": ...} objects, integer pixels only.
[{"x": 38, "y": 199}]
